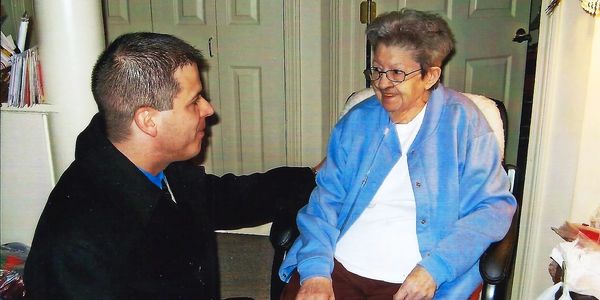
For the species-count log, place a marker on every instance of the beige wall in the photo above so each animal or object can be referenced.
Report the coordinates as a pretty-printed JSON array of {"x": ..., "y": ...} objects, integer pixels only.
[
  {"x": 587, "y": 190},
  {"x": 563, "y": 161}
]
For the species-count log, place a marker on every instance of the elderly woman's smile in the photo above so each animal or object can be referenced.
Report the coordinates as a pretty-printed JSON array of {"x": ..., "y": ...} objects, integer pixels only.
[{"x": 405, "y": 98}]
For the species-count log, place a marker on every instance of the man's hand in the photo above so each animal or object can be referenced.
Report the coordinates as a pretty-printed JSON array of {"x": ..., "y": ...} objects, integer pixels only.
[
  {"x": 316, "y": 288},
  {"x": 419, "y": 285}
]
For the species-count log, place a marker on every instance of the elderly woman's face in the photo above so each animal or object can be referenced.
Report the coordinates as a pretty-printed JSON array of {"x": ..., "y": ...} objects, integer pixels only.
[{"x": 404, "y": 100}]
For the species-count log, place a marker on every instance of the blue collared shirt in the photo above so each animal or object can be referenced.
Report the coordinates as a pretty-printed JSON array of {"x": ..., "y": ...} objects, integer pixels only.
[{"x": 157, "y": 180}]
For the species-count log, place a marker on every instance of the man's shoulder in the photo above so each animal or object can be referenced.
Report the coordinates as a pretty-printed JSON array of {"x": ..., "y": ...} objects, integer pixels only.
[
  {"x": 79, "y": 204},
  {"x": 73, "y": 189}
]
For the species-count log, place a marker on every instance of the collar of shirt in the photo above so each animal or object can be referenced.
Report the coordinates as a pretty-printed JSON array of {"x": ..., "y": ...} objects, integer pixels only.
[{"x": 156, "y": 180}]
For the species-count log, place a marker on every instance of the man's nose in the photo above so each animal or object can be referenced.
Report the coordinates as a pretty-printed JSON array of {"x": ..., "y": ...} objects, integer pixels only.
[{"x": 206, "y": 109}]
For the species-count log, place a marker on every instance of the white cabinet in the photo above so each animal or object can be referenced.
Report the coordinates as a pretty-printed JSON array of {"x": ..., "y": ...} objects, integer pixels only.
[{"x": 27, "y": 173}]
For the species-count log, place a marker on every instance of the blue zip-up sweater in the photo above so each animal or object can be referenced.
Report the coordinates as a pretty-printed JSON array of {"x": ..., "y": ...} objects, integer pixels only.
[{"x": 461, "y": 190}]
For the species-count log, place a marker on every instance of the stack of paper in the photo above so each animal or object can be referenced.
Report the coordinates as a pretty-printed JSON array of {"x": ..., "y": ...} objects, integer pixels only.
[
  {"x": 8, "y": 50},
  {"x": 25, "y": 83},
  {"x": 26, "y": 86}
]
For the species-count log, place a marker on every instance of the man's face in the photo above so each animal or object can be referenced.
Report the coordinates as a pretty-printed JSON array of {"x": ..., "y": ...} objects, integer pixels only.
[{"x": 182, "y": 128}]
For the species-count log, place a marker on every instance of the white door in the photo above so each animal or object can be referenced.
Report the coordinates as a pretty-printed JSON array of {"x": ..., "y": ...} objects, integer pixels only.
[
  {"x": 122, "y": 16},
  {"x": 252, "y": 86},
  {"x": 242, "y": 41},
  {"x": 487, "y": 61},
  {"x": 195, "y": 22}
]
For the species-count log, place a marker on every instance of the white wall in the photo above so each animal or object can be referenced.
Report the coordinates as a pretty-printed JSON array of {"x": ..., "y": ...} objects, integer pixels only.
[
  {"x": 70, "y": 35},
  {"x": 586, "y": 197},
  {"x": 563, "y": 164}
]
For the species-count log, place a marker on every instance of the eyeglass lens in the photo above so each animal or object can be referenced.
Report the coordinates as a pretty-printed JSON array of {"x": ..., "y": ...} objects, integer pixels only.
[{"x": 392, "y": 75}]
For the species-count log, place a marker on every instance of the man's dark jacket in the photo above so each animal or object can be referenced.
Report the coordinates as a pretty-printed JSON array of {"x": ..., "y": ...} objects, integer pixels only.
[{"x": 106, "y": 232}]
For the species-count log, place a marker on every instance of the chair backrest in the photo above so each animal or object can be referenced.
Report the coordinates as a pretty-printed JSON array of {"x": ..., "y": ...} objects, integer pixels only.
[{"x": 495, "y": 263}]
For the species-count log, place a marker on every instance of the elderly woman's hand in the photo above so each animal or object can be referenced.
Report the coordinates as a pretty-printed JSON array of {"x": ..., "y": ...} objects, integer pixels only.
[
  {"x": 316, "y": 288},
  {"x": 417, "y": 285}
]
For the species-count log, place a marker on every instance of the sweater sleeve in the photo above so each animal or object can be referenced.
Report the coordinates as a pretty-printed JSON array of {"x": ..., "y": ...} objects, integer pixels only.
[
  {"x": 486, "y": 209},
  {"x": 317, "y": 222}
]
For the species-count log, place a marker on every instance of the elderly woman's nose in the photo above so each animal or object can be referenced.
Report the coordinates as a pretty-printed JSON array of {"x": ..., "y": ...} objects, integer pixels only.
[{"x": 385, "y": 82}]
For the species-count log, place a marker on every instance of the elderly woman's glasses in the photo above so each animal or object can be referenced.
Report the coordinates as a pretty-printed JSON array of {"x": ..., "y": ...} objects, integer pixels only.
[{"x": 395, "y": 76}]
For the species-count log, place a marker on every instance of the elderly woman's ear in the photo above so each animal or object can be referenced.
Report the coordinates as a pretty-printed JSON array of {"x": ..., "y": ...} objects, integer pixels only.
[{"x": 432, "y": 76}]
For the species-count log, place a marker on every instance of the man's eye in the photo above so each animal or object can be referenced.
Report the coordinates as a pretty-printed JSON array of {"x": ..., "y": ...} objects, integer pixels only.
[{"x": 398, "y": 72}]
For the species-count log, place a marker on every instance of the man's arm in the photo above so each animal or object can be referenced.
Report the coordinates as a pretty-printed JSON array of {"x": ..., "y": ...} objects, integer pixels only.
[{"x": 251, "y": 200}]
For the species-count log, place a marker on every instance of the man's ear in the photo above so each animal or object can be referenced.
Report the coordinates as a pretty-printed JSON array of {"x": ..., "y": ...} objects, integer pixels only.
[
  {"x": 432, "y": 76},
  {"x": 145, "y": 120}
]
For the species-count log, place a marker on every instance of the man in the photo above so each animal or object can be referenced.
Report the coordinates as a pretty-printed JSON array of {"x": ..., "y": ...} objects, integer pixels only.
[{"x": 130, "y": 218}]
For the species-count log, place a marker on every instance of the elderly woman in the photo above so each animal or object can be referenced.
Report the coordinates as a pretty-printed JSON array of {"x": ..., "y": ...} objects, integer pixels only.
[{"x": 412, "y": 191}]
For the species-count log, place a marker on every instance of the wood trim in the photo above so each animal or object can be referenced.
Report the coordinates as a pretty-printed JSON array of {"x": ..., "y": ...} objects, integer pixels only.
[
  {"x": 346, "y": 55},
  {"x": 531, "y": 210},
  {"x": 49, "y": 149},
  {"x": 335, "y": 55},
  {"x": 293, "y": 81}
]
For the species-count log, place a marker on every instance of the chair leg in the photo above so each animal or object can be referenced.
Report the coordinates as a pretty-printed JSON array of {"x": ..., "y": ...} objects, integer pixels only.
[
  {"x": 488, "y": 292},
  {"x": 276, "y": 283}
]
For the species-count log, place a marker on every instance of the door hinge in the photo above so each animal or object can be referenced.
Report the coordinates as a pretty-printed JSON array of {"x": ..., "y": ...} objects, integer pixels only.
[{"x": 368, "y": 11}]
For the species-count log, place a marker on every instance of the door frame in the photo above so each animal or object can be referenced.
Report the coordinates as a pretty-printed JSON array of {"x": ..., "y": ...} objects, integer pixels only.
[
  {"x": 345, "y": 57},
  {"x": 560, "y": 174},
  {"x": 292, "y": 70},
  {"x": 532, "y": 209}
]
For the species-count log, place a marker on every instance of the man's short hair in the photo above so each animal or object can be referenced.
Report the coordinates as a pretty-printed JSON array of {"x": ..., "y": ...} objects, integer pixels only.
[{"x": 137, "y": 70}]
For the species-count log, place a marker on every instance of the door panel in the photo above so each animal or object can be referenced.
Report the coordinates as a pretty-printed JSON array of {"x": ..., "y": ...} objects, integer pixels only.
[
  {"x": 438, "y": 6},
  {"x": 250, "y": 57},
  {"x": 486, "y": 61},
  {"x": 122, "y": 16},
  {"x": 195, "y": 22}
]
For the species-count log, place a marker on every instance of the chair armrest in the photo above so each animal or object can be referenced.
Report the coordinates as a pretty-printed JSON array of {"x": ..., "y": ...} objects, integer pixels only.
[
  {"x": 283, "y": 232},
  {"x": 496, "y": 262}
]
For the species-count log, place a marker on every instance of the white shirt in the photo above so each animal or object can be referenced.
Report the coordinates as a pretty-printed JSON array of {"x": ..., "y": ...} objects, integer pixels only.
[{"x": 382, "y": 244}]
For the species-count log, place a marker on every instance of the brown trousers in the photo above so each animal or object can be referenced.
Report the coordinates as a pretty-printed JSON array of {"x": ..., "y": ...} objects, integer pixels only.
[{"x": 347, "y": 286}]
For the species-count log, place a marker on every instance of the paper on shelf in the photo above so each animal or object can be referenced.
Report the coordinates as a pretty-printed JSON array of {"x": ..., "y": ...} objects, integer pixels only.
[{"x": 23, "y": 32}]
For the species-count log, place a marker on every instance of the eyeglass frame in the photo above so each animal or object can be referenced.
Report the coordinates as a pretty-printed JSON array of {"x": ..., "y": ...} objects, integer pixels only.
[{"x": 369, "y": 71}]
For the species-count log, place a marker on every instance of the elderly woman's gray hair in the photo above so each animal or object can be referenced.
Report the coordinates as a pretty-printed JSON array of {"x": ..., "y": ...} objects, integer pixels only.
[{"x": 427, "y": 34}]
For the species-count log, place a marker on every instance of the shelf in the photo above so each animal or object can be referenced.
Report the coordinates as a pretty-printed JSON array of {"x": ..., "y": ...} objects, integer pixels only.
[{"x": 36, "y": 108}]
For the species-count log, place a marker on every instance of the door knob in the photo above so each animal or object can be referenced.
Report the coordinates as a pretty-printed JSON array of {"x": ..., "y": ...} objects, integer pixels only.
[{"x": 521, "y": 35}]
